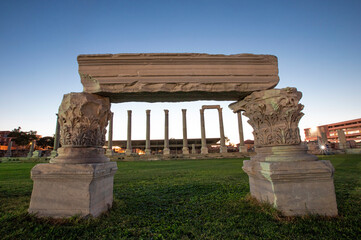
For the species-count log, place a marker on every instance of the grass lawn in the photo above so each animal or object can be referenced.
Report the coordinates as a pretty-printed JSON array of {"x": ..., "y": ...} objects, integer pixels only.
[{"x": 188, "y": 199}]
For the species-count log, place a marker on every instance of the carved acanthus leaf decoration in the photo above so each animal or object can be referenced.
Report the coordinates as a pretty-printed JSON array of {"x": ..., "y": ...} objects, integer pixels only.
[
  {"x": 274, "y": 115},
  {"x": 83, "y": 118}
]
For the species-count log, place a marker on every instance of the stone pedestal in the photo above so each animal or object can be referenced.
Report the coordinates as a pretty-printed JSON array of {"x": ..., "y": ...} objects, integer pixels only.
[
  {"x": 242, "y": 149},
  {"x": 185, "y": 151},
  {"x": 36, "y": 154},
  {"x": 79, "y": 181},
  {"x": 109, "y": 152},
  {"x": 282, "y": 173},
  {"x": 194, "y": 149},
  {"x": 223, "y": 149},
  {"x": 53, "y": 154},
  {"x": 204, "y": 150},
  {"x": 166, "y": 151},
  {"x": 292, "y": 180},
  {"x": 63, "y": 190}
]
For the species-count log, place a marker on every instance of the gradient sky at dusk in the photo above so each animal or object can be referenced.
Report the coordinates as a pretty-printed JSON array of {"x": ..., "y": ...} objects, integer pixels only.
[{"x": 318, "y": 45}]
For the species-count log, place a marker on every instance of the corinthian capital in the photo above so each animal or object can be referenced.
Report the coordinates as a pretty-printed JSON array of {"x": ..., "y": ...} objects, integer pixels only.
[
  {"x": 274, "y": 115},
  {"x": 83, "y": 118}
]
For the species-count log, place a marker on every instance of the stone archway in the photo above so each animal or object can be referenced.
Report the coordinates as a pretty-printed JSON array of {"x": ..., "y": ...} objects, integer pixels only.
[
  {"x": 80, "y": 179},
  {"x": 204, "y": 149}
]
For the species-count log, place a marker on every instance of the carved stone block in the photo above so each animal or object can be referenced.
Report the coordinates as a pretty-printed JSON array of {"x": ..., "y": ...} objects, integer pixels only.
[
  {"x": 64, "y": 190},
  {"x": 174, "y": 77}
]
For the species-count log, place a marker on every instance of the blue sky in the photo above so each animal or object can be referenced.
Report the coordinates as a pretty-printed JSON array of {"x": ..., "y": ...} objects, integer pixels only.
[{"x": 317, "y": 44}]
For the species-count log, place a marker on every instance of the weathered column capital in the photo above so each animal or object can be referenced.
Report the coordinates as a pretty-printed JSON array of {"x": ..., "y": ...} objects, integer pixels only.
[
  {"x": 83, "y": 118},
  {"x": 274, "y": 115}
]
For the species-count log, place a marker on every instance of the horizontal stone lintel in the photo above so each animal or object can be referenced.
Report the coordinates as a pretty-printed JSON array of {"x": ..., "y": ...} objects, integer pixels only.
[{"x": 171, "y": 77}]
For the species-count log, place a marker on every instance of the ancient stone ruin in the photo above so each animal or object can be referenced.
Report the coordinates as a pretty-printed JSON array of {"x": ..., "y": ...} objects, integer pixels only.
[{"x": 79, "y": 180}]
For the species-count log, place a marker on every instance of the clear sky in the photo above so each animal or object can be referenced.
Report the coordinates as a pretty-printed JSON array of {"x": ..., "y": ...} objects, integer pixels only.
[{"x": 318, "y": 45}]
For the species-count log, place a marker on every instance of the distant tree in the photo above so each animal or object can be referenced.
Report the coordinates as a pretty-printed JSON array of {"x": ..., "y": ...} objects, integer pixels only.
[
  {"x": 45, "y": 142},
  {"x": 22, "y": 138}
]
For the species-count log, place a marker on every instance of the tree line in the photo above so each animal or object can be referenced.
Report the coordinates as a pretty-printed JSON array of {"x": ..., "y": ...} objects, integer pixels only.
[{"x": 22, "y": 138}]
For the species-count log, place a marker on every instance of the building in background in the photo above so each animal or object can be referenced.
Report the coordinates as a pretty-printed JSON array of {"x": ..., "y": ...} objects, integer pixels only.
[
  {"x": 351, "y": 128},
  {"x": 4, "y": 140}
]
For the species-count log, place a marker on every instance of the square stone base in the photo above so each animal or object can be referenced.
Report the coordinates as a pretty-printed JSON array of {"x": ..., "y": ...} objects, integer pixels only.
[
  {"x": 295, "y": 188},
  {"x": 64, "y": 190}
]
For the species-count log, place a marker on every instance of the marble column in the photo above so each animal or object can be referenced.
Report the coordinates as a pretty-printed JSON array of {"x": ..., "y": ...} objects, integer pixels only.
[
  {"x": 148, "y": 151},
  {"x": 282, "y": 173},
  {"x": 54, "y": 153},
  {"x": 128, "y": 151},
  {"x": 79, "y": 181},
  {"x": 242, "y": 147},
  {"x": 185, "y": 148},
  {"x": 8, "y": 152},
  {"x": 223, "y": 148},
  {"x": 204, "y": 149},
  {"x": 110, "y": 136},
  {"x": 166, "y": 150}
]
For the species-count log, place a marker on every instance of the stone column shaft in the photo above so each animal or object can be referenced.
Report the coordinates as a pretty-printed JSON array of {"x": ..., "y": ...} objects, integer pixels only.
[
  {"x": 166, "y": 150},
  {"x": 57, "y": 133},
  {"x": 147, "y": 137},
  {"x": 204, "y": 149},
  {"x": 128, "y": 151},
  {"x": 110, "y": 135},
  {"x": 223, "y": 148},
  {"x": 54, "y": 153},
  {"x": 185, "y": 149},
  {"x": 242, "y": 147},
  {"x": 8, "y": 152}
]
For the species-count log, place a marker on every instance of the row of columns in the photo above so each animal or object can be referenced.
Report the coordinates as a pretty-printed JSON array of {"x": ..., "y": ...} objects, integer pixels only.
[{"x": 166, "y": 150}]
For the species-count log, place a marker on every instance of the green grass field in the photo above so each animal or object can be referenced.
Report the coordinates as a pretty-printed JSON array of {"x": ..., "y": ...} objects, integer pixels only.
[{"x": 188, "y": 199}]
